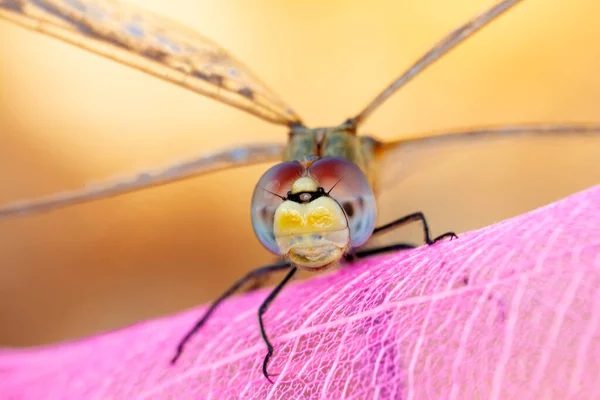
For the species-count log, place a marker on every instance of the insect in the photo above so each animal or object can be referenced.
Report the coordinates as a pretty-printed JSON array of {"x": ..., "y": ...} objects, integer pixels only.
[{"x": 316, "y": 207}]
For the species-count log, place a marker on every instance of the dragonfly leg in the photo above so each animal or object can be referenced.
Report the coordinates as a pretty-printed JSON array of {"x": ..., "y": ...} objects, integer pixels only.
[
  {"x": 257, "y": 273},
  {"x": 418, "y": 216},
  {"x": 257, "y": 283},
  {"x": 383, "y": 249},
  {"x": 263, "y": 309},
  {"x": 351, "y": 256}
]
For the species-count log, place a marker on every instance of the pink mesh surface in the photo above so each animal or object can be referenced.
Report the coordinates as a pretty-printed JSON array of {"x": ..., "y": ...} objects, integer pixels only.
[{"x": 509, "y": 311}]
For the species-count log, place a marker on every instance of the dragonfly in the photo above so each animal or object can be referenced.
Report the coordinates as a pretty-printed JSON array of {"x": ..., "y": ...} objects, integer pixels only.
[{"x": 314, "y": 209}]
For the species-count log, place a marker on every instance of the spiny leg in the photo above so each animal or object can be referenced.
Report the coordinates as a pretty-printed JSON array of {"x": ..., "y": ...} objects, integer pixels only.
[
  {"x": 418, "y": 216},
  {"x": 257, "y": 273},
  {"x": 263, "y": 309}
]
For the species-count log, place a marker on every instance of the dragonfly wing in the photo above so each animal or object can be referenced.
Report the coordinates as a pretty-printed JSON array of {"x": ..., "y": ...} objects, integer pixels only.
[
  {"x": 202, "y": 164},
  {"x": 152, "y": 44},
  {"x": 468, "y": 179},
  {"x": 449, "y": 42}
]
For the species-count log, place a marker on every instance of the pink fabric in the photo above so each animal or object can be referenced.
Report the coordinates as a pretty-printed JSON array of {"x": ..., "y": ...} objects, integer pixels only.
[{"x": 509, "y": 311}]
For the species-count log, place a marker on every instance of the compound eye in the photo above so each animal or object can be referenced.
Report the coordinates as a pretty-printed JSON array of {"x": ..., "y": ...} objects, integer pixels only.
[
  {"x": 349, "y": 186},
  {"x": 274, "y": 185}
]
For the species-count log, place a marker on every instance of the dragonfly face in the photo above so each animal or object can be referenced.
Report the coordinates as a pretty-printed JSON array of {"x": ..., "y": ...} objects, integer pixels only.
[{"x": 313, "y": 211}]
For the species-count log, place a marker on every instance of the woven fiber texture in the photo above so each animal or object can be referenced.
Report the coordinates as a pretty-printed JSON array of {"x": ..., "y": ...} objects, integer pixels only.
[{"x": 511, "y": 311}]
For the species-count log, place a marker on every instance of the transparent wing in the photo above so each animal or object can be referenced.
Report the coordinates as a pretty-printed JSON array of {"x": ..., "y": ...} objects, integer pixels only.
[
  {"x": 152, "y": 44},
  {"x": 484, "y": 175},
  {"x": 448, "y": 43},
  {"x": 203, "y": 164}
]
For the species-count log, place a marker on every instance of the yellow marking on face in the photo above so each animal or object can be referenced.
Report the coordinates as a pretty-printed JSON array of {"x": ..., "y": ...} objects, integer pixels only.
[
  {"x": 321, "y": 218},
  {"x": 289, "y": 218},
  {"x": 320, "y": 215}
]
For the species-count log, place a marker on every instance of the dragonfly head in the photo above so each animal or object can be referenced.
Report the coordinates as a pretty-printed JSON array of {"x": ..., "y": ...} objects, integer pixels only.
[{"x": 300, "y": 211}]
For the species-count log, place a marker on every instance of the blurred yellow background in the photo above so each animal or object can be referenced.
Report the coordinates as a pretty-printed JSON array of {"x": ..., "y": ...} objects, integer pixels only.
[{"x": 68, "y": 117}]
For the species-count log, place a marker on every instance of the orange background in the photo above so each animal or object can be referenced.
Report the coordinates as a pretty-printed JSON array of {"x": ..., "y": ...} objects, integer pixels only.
[{"x": 69, "y": 117}]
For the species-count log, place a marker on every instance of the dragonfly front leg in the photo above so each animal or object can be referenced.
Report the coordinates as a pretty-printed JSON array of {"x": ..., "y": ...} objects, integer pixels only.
[
  {"x": 418, "y": 216},
  {"x": 252, "y": 275},
  {"x": 263, "y": 309},
  {"x": 354, "y": 254}
]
